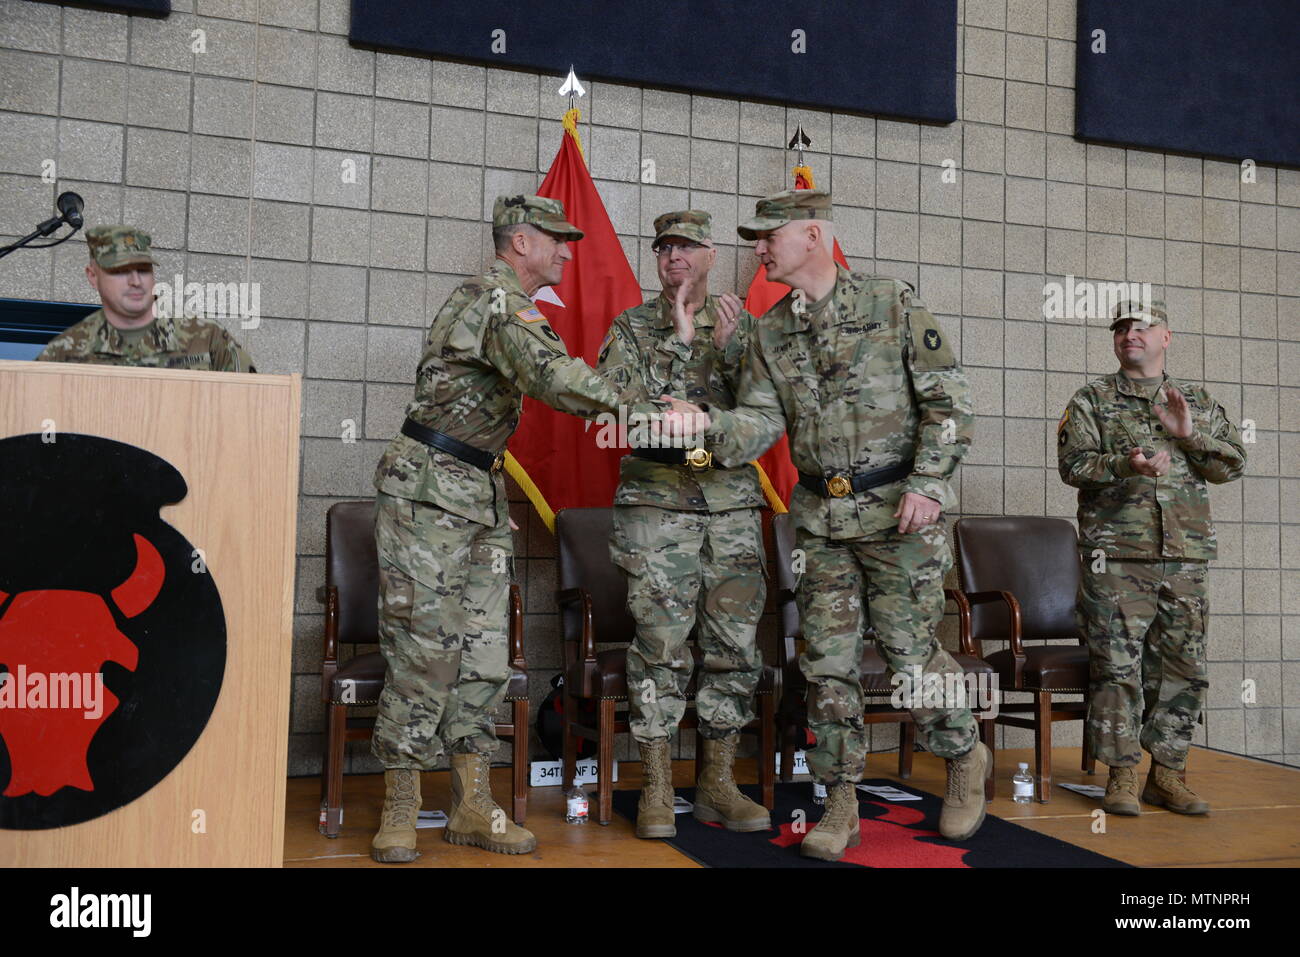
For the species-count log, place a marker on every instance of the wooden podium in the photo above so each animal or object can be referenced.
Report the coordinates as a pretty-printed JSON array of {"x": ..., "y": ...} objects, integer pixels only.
[{"x": 233, "y": 439}]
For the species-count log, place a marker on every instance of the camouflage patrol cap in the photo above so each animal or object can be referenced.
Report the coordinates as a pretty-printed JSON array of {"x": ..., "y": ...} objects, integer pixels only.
[
  {"x": 693, "y": 224},
  {"x": 1144, "y": 314},
  {"x": 114, "y": 246},
  {"x": 540, "y": 211},
  {"x": 773, "y": 212}
]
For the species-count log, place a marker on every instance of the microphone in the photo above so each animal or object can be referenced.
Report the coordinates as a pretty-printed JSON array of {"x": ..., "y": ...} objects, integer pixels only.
[{"x": 70, "y": 206}]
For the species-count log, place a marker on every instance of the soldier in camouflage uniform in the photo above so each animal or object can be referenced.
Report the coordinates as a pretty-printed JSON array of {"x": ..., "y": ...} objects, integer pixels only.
[
  {"x": 688, "y": 536},
  {"x": 442, "y": 526},
  {"x": 125, "y": 332},
  {"x": 879, "y": 414},
  {"x": 1140, "y": 446}
]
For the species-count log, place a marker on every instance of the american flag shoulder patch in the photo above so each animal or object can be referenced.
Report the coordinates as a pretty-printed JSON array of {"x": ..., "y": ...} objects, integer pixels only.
[{"x": 531, "y": 314}]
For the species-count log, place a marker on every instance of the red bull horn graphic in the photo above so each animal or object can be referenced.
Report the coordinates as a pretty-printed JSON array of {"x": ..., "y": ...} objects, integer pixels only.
[{"x": 112, "y": 634}]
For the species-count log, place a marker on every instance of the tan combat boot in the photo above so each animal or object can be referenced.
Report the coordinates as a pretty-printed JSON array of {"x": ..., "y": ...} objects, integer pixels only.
[
  {"x": 475, "y": 817},
  {"x": 1122, "y": 793},
  {"x": 395, "y": 841},
  {"x": 654, "y": 812},
  {"x": 839, "y": 828},
  {"x": 717, "y": 799},
  {"x": 963, "y": 804},
  {"x": 1165, "y": 788}
]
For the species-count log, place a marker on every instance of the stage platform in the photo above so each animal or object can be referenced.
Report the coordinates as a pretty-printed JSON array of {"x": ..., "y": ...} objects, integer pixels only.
[{"x": 1255, "y": 820}]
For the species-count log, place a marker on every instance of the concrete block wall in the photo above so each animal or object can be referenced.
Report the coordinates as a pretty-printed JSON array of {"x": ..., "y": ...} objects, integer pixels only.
[{"x": 234, "y": 159}]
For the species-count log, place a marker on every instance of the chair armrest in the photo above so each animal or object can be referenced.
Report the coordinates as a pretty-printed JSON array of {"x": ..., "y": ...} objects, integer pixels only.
[
  {"x": 580, "y": 596},
  {"x": 516, "y": 630},
  {"x": 968, "y": 643},
  {"x": 1013, "y": 609}
]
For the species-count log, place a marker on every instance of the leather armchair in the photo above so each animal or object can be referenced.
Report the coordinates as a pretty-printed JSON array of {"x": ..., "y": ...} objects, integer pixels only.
[
  {"x": 352, "y": 616},
  {"x": 592, "y": 596},
  {"x": 1019, "y": 582}
]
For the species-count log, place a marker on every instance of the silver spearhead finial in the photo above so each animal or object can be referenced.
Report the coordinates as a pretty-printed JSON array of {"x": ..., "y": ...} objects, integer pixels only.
[
  {"x": 798, "y": 142},
  {"x": 572, "y": 87}
]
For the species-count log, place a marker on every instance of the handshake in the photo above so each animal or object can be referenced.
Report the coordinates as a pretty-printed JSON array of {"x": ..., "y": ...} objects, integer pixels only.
[{"x": 683, "y": 424}]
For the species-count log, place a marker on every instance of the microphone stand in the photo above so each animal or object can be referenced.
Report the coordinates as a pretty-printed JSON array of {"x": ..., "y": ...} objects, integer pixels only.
[{"x": 44, "y": 229}]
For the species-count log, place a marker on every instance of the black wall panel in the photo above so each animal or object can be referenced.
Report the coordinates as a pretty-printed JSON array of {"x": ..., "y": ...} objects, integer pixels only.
[
  {"x": 893, "y": 57},
  {"x": 1216, "y": 77}
]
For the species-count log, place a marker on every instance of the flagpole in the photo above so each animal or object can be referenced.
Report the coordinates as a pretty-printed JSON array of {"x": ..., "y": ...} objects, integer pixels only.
[{"x": 514, "y": 468}]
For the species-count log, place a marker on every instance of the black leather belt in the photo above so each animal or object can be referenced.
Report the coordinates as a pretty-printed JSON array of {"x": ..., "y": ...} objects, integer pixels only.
[
  {"x": 837, "y": 486},
  {"x": 466, "y": 453},
  {"x": 698, "y": 459}
]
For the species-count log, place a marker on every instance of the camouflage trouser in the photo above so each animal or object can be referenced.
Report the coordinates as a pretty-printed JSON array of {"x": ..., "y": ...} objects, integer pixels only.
[
  {"x": 685, "y": 569},
  {"x": 1145, "y": 624},
  {"x": 443, "y": 595},
  {"x": 895, "y": 583}
]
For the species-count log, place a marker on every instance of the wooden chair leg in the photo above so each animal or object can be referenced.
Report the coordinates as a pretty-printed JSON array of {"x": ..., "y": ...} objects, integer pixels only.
[
  {"x": 1089, "y": 759},
  {"x": 332, "y": 771},
  {"x": 605, "y": 760},
  {"x": 767, "y": 749},
  {"x": 906, "y": 747},
  {"x": 699, "y": 756},
  {"x": 569, "y": 769},
  {"x": 1043, "y": 744},
  {"x": 519, "y": 752},
  {"x": 785, "y": 734},
  {"x": 988, "y": 736}
]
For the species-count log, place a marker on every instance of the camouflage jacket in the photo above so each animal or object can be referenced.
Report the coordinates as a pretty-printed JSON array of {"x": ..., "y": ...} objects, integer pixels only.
[
  {"x": 1128, "y": 515},
  {"x": 865, "y": 381},
  {"x": 183, "y": 343},
  {"x": 643, "y": 355},
  {"x": 487, "y": 348}
]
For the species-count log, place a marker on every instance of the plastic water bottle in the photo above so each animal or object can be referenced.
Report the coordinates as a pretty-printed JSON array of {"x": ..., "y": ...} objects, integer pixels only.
[
  {"x": 819, "y": 793},
  {"x": 575, "y": 806},
  {"x": 1022, "y": 785}
]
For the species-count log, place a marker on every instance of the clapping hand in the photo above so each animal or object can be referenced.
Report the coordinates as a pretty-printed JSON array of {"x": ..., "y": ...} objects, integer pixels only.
[
  {"x": 684, "y": 312},
  {"x": 728, "y": 317},
  {"x": 1176, "y": 414}
]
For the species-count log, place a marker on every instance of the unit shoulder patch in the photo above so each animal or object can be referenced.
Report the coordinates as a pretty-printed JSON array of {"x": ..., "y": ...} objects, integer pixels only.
[{"x": 930, "y": 347}]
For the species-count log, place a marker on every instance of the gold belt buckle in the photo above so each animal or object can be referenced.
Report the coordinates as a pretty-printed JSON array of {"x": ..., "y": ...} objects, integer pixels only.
[
  {"x": 699, "y": 459},
  {"x": 498, "y": 461},
  {"x": 839, "y": 486}
]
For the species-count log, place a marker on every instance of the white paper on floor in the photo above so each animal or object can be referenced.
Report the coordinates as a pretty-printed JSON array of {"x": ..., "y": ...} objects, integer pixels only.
[
  {"x": 889, "y": 793},
  {"x": 1087, "y": 790}
]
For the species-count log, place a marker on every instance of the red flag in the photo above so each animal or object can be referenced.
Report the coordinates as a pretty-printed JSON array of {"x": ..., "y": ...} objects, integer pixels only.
[
  {"x": 763, "y": 295},
  {"x": 556, "y": 459}
]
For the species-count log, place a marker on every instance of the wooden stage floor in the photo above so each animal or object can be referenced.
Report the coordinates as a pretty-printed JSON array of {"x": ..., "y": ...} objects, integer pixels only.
[{"x": 1255, "y": 821}]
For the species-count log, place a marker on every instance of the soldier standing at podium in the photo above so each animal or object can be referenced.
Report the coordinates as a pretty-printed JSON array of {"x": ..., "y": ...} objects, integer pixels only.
[
  {"x": 442, "y": 527},
  {"x": 124, "y": 331}
]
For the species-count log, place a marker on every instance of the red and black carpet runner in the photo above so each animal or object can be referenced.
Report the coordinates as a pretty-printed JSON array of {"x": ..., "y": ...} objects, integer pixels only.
[{"x": 904, "y": 834}]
